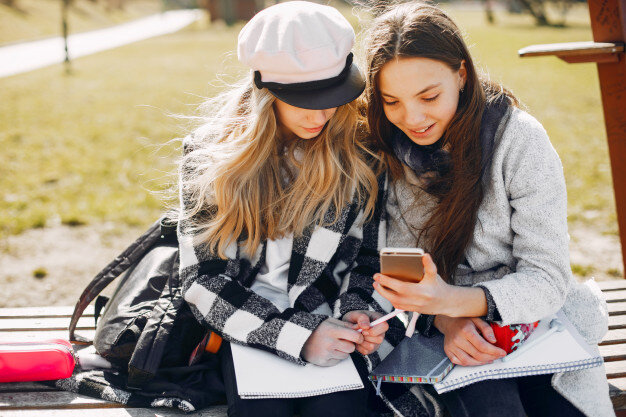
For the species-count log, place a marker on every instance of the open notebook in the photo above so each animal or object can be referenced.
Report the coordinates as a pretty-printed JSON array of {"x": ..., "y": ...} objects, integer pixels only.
[
  {"x": 261, "y": 374},
  {"x": 420, "y": 360},
  {"x": 559, "y": 352}
]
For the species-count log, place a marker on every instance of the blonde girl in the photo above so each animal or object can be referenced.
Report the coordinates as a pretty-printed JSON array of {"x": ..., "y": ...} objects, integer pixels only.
[{"x": 276, "y": 186}]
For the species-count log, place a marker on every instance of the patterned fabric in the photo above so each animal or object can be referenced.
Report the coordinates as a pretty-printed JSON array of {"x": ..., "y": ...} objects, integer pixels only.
[
  {"x": 109, "y": 385},
  {"x": 330, "y": 274},
  {"x": 510, "y": 337},
  {"x": 98, "y": 384},
  {"x": 219, "y": 295}
]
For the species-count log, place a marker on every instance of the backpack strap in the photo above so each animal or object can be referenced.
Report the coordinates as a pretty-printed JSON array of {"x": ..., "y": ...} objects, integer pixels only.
[{"x": 159, "y": 231}]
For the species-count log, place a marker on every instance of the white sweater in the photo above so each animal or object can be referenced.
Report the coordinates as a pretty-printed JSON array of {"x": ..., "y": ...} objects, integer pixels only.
[{"x": 520, "y": 247}]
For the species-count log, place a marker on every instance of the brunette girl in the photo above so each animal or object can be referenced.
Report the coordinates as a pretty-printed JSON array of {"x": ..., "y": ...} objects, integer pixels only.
[
  {"x": 275, "y": 187},
  {"x": 475, "y": 182}
]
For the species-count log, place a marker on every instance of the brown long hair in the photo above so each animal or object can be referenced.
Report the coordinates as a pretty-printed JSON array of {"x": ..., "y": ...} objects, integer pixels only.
[{"x": 419, "y": 30}]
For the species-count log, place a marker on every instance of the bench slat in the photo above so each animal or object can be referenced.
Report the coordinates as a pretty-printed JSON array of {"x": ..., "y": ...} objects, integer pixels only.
[
  {"x": 38, "y": 312},
  {"x": 47, "y": 400},
  {"x": 24, "y": 387},
  {"x": 613, "y": 352},
  {"x": 215, "y": 411},
  {"x": 44, "y": 323},
  {"x": 617, "y": 322},
  {"x": 616, "y": 369},
  {"x": 612, "y": 285},
  {"x": 26, "y": 336},
  {"x": 617, "y": 308},
  {"x": 614, "y": 295},
  {"x": 614, "y": 336}
]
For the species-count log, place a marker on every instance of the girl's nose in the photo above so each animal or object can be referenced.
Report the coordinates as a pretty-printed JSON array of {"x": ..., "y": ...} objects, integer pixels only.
[
  {"x": 414, "y": 116},
  {"x": 319, "y": 117}
]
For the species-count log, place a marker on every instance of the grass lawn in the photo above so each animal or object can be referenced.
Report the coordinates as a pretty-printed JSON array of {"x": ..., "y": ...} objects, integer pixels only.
[
  {"x": 33, "y": 19},
  {"x": 93, "y": 146}
]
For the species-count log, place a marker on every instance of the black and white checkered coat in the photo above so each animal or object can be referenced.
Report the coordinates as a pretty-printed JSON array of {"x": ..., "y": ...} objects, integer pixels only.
[{"x": 330, "y": 274}]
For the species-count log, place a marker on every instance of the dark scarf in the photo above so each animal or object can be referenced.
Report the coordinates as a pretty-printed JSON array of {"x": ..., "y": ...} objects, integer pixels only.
[{"x": 424, "y": 159}]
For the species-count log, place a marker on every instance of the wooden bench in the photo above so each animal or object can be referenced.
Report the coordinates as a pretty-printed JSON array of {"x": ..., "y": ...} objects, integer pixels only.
[{"x": 38, "y": 400}]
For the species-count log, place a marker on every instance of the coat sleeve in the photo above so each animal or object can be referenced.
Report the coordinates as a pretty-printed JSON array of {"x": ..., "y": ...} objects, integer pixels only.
[
  {"x": 533, "y": 178},
  {"x": 357, "y": 291},
  {"x": 223, "y": 304}
]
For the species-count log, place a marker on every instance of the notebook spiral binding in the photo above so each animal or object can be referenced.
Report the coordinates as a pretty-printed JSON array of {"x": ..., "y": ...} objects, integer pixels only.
[
  {"x": 520, "y": 371},
  {"x": 262, "y": 395}
]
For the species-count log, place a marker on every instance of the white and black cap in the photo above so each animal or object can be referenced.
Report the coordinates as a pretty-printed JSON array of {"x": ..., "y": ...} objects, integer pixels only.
[{"x": 301, "y": 52}]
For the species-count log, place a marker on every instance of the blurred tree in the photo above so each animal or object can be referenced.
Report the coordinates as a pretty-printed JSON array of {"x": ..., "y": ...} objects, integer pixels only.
[
  {"x": 538, "y": 9},
  {"x": 489, "y": 11},
  {"x": 65, "y": 5},
  {"x": 231, "y": 10}
]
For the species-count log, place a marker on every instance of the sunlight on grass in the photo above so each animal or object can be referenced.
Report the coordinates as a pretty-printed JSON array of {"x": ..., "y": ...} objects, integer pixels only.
[
  {"x": 33, "y": 19},
  {"x": 93, "y": 146}
]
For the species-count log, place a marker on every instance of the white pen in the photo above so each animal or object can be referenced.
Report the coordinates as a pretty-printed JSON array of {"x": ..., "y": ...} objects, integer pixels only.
[
  {"x": 384, "y": 318},
  {"x": 555, "y": 326}
]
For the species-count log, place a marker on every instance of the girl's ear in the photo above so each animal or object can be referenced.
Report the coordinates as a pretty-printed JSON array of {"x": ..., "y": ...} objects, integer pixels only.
[{"x": 462, "y": 75}]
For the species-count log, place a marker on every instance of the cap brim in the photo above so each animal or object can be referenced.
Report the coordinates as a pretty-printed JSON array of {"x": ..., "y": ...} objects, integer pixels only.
[{"x": 325, "y": 98}]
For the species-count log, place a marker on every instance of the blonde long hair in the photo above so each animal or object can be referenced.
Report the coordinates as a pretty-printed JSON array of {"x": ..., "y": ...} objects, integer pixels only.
[{"x": 241, "y": 181}]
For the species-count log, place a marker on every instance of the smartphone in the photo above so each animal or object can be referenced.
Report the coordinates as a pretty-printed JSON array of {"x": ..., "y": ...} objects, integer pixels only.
[{"x": 402, "y": 263}]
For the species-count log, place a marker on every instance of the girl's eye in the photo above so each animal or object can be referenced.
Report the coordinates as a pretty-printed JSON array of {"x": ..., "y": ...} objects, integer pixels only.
[
  {"x": 390, "y": 103},
  {"x": 433, "y": 98}
]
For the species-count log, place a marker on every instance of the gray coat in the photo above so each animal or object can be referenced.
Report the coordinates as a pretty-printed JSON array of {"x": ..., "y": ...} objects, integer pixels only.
[{"x": 520, "y": 248}]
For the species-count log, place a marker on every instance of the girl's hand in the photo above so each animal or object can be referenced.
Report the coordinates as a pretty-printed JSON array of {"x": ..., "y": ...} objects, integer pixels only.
[
  {"x": 468, "y": 341},
  {"x": 331, "y": 342},
  {"x": 372, "y": 336},
  {"x": 429, "y": 296}
]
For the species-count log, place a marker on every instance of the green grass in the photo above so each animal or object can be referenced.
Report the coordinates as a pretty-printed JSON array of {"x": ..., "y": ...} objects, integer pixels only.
[
  {"x": 582, "y": 270},
  {"x": 93, "y": 146},
  {"x": 33, "y": 19}
]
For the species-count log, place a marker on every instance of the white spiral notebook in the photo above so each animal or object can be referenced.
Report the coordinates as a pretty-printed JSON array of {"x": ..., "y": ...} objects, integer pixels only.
[
  {"x": 561, "y": 351},
  {"x": 261, "y": 374}
]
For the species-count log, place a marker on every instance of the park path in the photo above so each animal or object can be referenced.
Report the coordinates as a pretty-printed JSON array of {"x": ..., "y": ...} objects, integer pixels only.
[{"x": 28, "y": 56}]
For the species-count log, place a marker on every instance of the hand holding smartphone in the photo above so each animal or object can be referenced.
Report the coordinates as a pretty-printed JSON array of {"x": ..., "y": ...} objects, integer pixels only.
[{"x": 406, "y": 265}]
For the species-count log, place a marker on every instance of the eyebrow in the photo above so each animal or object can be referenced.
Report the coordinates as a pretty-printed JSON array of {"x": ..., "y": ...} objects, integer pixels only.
[{"x": 430, "y": 87}]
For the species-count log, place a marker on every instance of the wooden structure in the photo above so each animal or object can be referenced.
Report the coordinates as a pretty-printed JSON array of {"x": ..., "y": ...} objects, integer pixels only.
[
  {"x": 608, "y": 24},
  {"x": 39, "y": 400}
]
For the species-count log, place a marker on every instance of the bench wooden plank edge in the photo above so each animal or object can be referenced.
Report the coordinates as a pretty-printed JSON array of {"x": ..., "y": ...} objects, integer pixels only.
[{"x": 575, "y": 52}]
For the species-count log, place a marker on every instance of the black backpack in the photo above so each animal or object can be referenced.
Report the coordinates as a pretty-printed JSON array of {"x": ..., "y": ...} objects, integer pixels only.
[{"x": 146, "y": 329}]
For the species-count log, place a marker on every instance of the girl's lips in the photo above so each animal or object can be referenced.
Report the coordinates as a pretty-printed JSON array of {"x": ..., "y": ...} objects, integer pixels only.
[
  {"x": 314, "y": 129},
  {"x": 424, "y": 133}
]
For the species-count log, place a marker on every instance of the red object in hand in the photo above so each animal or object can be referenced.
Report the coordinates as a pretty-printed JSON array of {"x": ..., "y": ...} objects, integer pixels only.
[
  {"x": 511, "y": 337},
  {"x": 36, "y": 361}
]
